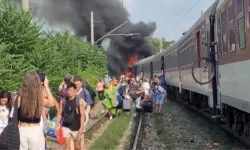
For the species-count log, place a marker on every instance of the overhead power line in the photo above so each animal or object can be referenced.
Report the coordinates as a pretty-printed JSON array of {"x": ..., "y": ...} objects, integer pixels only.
[
  {"x": 183, "y": 7},
  {"x": 186, "y": 13}
]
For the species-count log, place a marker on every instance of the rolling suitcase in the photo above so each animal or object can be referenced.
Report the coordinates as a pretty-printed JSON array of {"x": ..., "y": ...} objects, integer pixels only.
[
  {"x": 147, "y": 106},
  {"x": 126, "y": 104}
]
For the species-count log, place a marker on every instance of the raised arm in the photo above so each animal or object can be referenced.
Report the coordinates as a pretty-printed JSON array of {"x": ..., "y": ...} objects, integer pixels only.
[{"x": 51, "y": 101}]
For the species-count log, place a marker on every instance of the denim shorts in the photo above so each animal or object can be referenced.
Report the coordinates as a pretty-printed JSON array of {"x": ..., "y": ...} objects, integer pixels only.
[{"x": 159, "y": 100}]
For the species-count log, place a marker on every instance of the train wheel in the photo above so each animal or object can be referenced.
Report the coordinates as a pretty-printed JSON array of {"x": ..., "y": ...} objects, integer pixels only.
[{"x": 203, "y": 70}]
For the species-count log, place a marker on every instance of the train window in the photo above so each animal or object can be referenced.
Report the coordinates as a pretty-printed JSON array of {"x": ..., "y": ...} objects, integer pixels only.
[
  {"x": 249, "y": 11},
  {"x": 231, "y": 28},
  {"x": 231, "y": 13},
  {"x": 240, "y": 7},
  {"x": 241, "y": 23},
  {"x": 224, "y": 32}
]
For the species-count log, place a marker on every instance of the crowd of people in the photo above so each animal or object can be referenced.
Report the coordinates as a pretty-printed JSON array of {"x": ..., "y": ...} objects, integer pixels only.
[
  {"x": 119, "y": 94},
  {"x": 24, "y": 115}
]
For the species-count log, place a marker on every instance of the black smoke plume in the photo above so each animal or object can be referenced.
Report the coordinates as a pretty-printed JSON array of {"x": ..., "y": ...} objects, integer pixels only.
[{"x": 108, "y": 14}]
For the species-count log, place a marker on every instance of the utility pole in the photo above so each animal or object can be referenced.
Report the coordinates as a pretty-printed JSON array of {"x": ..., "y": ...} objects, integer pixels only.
[
  {"x": 25, "y": 5},
  {"x": 161, "y": 45},
  {"x": 92, "y": 28}
]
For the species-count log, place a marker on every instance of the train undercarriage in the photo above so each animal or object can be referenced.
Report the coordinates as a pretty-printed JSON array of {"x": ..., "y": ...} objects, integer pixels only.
[{"x": 234, "y": 121}]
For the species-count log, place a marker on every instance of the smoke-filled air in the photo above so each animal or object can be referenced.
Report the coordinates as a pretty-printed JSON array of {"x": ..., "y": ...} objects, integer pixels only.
[{"x": 108, "y": 14}]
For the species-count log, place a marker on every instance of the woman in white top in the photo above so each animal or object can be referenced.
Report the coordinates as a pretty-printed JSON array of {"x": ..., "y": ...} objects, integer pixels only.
[{"x": 146, "y": 89}]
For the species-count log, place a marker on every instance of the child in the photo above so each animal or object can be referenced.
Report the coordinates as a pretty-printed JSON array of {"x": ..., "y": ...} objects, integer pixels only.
[{"x": 5, "y": 98}]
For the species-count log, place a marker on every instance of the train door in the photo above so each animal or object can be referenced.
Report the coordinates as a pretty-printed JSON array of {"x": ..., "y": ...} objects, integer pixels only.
[
  {"x": 213, "y": 57},
  {"x": 142, "y": 71},
  {"x": 135, "y": 70},
  {"x": 162, "y": 65},
  {"x": 151, "y": 70}
]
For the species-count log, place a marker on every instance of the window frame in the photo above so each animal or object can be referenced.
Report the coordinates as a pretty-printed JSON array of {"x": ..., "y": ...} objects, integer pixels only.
[
  {"x": 231, "y": 26},
  {"x": 240, "y": 15},
  {"x": 223, "y": 32},
  {"x": 249, "y": 14}
]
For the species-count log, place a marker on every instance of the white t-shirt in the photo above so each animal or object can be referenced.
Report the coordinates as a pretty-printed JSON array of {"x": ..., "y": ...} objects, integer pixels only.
[
  {"x": 146, "y": 88},
  {"x": 4, "y": 114}
]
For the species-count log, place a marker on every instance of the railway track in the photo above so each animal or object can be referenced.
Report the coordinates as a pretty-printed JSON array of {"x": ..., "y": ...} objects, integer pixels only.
[
  {"x": 216, "y": 120},
  {"x": 95, "y": 124},
  {"x": 179, "y": 127},
  {"x": 137, "y": 139}
]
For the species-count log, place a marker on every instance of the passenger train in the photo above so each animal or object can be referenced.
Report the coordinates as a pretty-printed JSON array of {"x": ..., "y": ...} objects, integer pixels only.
[{"x": 227, "y": 97}]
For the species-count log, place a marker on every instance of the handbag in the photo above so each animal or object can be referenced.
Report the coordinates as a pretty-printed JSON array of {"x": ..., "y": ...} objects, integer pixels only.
[{"x": 10, "y": 137}]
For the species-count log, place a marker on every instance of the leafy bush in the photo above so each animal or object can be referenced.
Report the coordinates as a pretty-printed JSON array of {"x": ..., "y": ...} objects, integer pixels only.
[{"x": 24, "y": 47}]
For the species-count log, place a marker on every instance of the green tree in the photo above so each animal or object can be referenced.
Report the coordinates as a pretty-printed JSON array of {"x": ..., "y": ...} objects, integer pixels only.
[
  {"x": 24, "y": 47},
  {"x": 157, "y": 42}
]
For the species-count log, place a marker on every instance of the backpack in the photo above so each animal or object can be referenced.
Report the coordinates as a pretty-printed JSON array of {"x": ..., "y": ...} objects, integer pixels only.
[
  {"x": 68, "y": 118},
  {"x": 163, "y": 82},
  {"x": 90, "y": 89},
  {"x": 84, "y": 93}
]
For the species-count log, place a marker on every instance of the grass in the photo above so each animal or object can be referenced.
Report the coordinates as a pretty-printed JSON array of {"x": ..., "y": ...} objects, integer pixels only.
[
  {"x": 160, "y": 126},
  {"x": 112, "y": 135}
]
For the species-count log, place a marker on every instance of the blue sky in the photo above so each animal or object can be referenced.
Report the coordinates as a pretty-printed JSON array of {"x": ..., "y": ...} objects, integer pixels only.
[{"x": 166, "y": 13}]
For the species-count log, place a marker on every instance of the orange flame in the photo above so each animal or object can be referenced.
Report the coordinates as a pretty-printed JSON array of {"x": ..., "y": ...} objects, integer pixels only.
[
  {"x": 128, "y": 74},
  {"x": 132, "y": 60}
]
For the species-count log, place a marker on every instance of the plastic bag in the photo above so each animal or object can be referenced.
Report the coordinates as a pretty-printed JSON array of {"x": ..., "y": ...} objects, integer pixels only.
[
  {"x": 51, "y": 128},
  {"x": 138, "y": 103}
]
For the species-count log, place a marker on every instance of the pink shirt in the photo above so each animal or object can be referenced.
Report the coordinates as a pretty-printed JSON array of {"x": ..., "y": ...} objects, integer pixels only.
[{"x": 99, "y": 86}]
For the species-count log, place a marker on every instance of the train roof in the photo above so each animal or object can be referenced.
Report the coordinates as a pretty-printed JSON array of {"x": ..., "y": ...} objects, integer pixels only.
[
  {"x": 142, "y": 61},
  {"x": 211, "y": 10},
  {"x": 221, "y": 4}
]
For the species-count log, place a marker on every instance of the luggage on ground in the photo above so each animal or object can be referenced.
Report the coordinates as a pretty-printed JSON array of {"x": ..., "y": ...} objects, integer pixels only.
[
  {"x": 126, "y": 104},
  {"x": 147, "y": 106}
]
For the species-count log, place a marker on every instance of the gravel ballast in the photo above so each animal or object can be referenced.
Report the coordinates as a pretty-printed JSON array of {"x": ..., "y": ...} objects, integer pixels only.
[{"x": 181, "y": 128}]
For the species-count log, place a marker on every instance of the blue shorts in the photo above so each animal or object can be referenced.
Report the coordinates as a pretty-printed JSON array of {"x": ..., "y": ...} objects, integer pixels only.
[{"x": 159, "y": 100}]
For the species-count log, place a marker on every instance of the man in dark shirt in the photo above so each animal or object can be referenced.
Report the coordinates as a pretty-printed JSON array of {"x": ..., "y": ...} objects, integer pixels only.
[{"x": 72, "y": 114}]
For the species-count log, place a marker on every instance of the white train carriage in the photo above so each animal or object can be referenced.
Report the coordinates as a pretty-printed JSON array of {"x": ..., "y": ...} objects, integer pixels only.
[{"x": 231, "y": 31}]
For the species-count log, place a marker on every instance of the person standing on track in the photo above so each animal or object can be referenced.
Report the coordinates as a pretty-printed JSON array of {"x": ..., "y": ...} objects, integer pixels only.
[
  {"x": 146, "y": 88},
  {"x": 110, "y": 101},
  {"x": 160, "y": 94},
  {"x": 72, "y": 115},
  {"x": 85, "y": 95},
  {"x": 133, "y": 90},
  {"x": 100, "y": 90}
]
